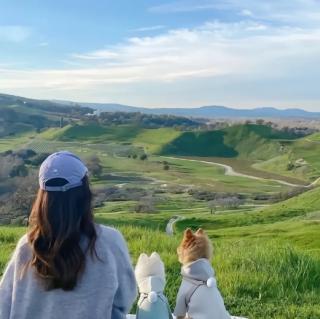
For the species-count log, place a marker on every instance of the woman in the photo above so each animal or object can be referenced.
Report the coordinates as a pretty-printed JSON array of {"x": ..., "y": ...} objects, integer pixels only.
[{"x": 66, "y": 266}]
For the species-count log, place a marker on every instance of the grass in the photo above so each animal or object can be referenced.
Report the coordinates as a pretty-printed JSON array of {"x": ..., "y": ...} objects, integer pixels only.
[
  {"x": 153, "y": 140},
  {"x": 15, "y": 142},
  {"x": 249, "y": 167},
  {"x": 267, "y": 260},
  {"x": 306, "y": 149},
  {"x": 249, "y": 141},
  {"x": 257, "y": 280},
  {"x": 100, "y": 134},
  {"x": 200, "y": 144}
]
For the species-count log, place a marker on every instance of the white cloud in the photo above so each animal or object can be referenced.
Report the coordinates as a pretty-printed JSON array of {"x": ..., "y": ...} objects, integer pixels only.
[
  {"x": 150, "y": 28},
  {"x": 246, "y": 12},
  {"x": 304, "y": 12},
  {"x": 187, "y": 6},
  {"x": 14, "y": 33},
  {"x": 241, "y": 54},
  {"x": 210, "y": 50}
]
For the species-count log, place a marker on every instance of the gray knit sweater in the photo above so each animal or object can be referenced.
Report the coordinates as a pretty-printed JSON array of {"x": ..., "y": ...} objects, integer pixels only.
[{"x": 105, "y": 290}]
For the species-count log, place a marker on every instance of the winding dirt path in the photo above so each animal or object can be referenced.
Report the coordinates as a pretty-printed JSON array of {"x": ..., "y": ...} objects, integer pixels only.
[
  {"x": 229, "y": 171},
  {"x": 171, "y": 222}
]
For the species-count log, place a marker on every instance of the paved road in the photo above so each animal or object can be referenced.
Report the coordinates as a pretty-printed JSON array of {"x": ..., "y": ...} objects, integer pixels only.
[
  {"x": 231, "y": 172},
  {"x": 171, "y": 222}
]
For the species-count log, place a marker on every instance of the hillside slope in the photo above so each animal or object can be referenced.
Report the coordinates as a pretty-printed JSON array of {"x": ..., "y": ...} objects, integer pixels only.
[
  {"x": 20, "y": 115},
  {"x": 301, "y": 159},
  {"x": 250, "y": 141}
]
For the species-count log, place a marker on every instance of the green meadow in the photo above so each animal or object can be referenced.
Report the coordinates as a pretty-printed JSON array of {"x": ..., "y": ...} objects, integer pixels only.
[
  {"x": 267, "y": 255},
  {"x": 267, "y": 260}
]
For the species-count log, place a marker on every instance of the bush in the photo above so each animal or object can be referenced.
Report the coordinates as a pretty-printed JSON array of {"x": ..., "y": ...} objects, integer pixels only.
[
  {"x": 166, "y": 167},
  {"x": 94, "y": 166},
  {"x": 38, "y": 159},
  {"x": 145, "y": 205},
  {"x": 19, "y": 170},
  {"x": 25, "y": 153},
  {"x": 290, "y": 166},
  {"x": 143, "y": 156}
]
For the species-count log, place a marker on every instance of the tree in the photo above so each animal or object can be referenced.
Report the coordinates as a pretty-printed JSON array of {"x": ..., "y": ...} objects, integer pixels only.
[
  {"x": 145, "y": 205},
  {"x": 38, "y": 159},
  {"x": 232, "y": 202},
  {"x": 212, "y": 206},
  {"x": 19, "y": 170},
  {"x": 26, "y": 153},
  {"x": 9, "y": 166},
  {"x": 94, "y": 166},
  {"x": 260, "y": 121},
  {"x": 166, "y": 167},
  {"x": 290, "y": 166},
  {"x": 143, "y": 156}
]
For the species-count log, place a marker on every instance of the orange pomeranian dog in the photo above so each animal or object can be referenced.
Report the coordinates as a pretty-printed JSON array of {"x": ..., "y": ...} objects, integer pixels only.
[{"x": 198, "y": 296}]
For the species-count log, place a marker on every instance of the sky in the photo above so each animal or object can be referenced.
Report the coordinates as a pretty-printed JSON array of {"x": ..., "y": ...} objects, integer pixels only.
[{"x": 184, "y": 53}]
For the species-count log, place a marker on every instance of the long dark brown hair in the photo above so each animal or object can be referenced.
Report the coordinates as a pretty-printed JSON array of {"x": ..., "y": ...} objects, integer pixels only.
[{"x": 59, "y": 222}]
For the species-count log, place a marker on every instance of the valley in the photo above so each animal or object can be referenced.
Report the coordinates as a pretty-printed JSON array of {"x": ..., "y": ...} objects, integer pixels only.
[{"x": 253, "y": 188}]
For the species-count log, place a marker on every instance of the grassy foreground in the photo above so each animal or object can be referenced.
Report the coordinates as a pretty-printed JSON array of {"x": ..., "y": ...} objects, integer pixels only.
[
  {"x": 267, "y": 260},
  {"x": 257, "y": 279}
]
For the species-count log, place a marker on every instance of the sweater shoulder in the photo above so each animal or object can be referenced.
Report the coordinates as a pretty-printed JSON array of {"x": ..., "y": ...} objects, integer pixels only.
[
  {"x": 22, "y": 252},
  {"x": 110, "y": 237}
]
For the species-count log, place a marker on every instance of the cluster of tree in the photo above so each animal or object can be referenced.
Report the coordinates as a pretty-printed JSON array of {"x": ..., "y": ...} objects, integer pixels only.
[
  {"x": 142, "y": 156},
  {"x": 146, "y": 204},
  {"x": 279, "y": 197},
  {"x": 25, "y": 157},
  {"x": 206, "y": 195},
  {"x": 115, "y": 194},
  {"x": 291, "y": 131},
  {"x": 230, "y": 202},
  {"x": 12, "y": 165},
  {"x": 147, "y": 120},
  {"x": 18, "y": 185}
]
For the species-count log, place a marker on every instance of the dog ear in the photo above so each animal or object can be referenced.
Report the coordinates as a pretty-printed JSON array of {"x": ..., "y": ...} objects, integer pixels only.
[
  {"x": 143, "y": 258},
  {"x": 155, "y": 255},
  {"x": 188, "y": 234},
  {"x": 200, "y": 231}
]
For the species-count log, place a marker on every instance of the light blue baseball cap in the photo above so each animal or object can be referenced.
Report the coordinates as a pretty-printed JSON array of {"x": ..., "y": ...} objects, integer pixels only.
[{"x": 64, "y": 165}]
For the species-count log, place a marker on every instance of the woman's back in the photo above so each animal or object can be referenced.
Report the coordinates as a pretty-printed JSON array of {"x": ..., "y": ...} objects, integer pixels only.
[{"x": 104, "y": 290}]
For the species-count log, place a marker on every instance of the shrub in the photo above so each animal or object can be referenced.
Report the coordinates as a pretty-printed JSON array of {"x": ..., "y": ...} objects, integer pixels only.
[
  {"x": 94, "y": 166},
  {"x": 19, "y": 170},
  {"x": 143, "y": 156},
  {"x": 38, "y": 159}
]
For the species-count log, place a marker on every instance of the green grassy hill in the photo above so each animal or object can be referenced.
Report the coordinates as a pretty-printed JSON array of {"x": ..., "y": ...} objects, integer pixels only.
[
  {"x": 94, "y": 132},
  {"x": 20, "y": 115},
  {"x": 250, "y": 141},
  {"x": 300, "y": 160}
]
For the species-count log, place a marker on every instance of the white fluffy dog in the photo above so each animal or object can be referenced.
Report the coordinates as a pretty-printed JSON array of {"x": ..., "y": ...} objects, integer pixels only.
[{"x": 150, "y": 276}]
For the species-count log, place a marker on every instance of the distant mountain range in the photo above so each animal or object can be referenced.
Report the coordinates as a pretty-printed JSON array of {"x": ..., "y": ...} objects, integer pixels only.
[
  {"x": 221, "y": 112},
  {"x": 205, "y": 111}
]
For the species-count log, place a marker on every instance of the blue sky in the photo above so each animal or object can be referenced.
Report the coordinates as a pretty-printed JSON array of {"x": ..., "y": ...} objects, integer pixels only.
[{"x": 154, "y": 53}]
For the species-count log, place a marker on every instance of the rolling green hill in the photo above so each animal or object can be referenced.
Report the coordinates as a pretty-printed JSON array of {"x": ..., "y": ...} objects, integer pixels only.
[
  {"x": 301, "y": 159},
  {"x": 96, "y": 133},
  {"x": 20, "y": 115},
  {"x": 250, "y": 141}
]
